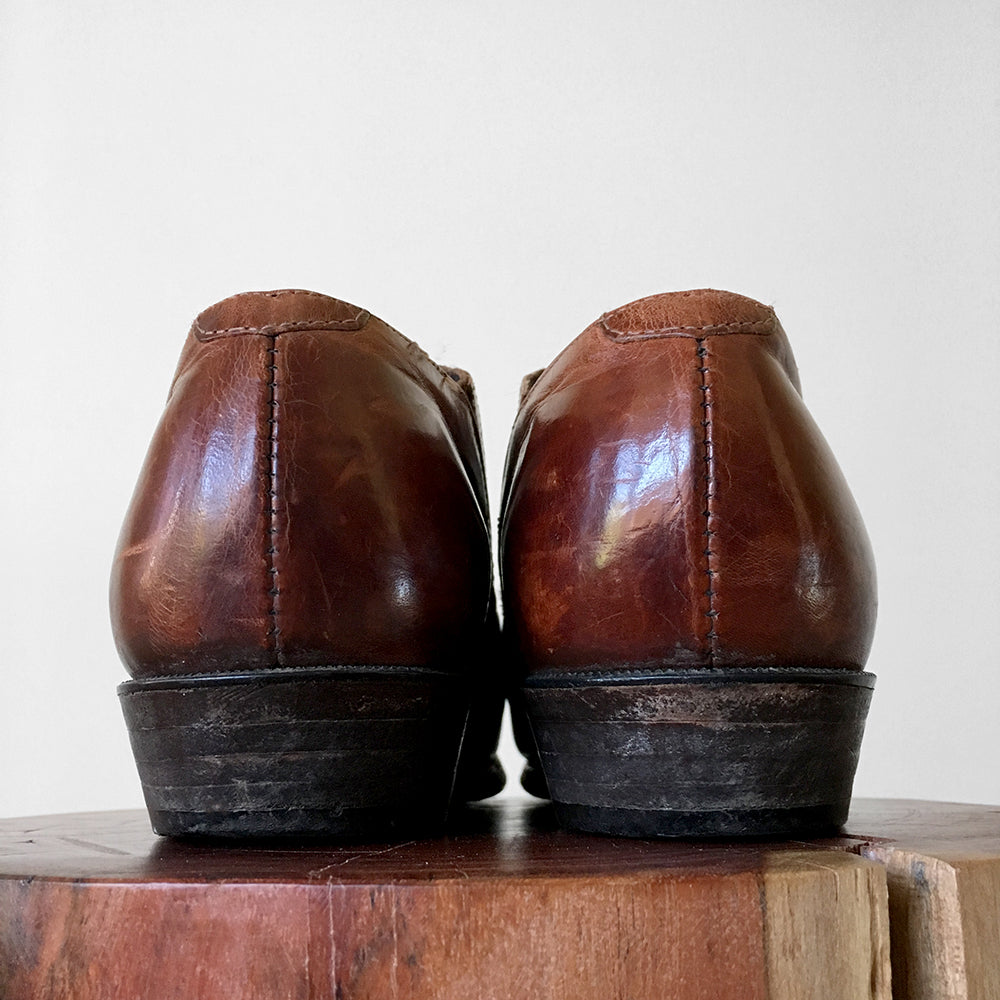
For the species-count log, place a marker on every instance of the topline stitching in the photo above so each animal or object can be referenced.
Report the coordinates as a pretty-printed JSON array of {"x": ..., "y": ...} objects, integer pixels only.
[
  {"x": 270, "y": 329},
  {"x": 762, "y": 327}
]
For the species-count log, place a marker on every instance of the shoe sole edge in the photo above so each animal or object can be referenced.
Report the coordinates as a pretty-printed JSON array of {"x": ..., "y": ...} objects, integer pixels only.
[
  {"x": 735, "y": 752},
  {"x": 338, "y": 752}
]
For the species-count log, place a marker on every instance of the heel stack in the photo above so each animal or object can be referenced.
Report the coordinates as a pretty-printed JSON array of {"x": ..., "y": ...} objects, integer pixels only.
[
  {"x": 348, "y": 752},
  {"x": 734, "y": 752}
]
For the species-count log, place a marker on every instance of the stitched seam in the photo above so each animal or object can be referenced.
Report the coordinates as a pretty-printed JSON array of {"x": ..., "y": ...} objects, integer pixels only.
[
  {"x": 572, "y": 673},
  {"x": 270, "y": 329},
  {"x": 707, "y": 402},
  {"x": 292, "y": 672},
  {"x": 274, "y": 632},
  {"x": 759, "y": 327},
  {"x": 298, "y": 293}
]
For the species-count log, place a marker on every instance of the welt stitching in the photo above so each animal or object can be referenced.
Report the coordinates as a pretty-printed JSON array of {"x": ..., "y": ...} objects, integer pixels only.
[
  {"x": 683, "y": 674},
  {"x": 274, "y": 632},
  {"x": 293, "y": 672},
  {"x": 709, "y": 478}
]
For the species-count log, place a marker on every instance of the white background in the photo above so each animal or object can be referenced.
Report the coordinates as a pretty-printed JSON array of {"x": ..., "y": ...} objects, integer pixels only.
[{"x": 489, "y": 178}]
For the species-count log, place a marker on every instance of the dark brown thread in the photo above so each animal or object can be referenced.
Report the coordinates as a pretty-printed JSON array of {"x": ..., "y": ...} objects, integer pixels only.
[
  {"x": 274, "y": 632},
  {"x": 299, "y": 293},
  {"x": 709, "y": 512}
]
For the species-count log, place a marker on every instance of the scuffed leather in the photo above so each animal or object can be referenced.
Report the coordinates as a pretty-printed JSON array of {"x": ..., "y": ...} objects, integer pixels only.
[
  {"x": 313, "y": 495},
  {"x": 670, "y": 502}
]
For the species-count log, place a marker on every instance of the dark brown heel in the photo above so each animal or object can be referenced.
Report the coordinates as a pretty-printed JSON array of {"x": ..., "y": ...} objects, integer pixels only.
[
  {"x": 734, "y": 752},
  {"x": 347, "y": 752}
]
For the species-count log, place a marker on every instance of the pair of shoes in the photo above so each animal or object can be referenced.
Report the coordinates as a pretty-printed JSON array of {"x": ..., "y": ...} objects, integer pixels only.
[{"x": 303, "y": 587}]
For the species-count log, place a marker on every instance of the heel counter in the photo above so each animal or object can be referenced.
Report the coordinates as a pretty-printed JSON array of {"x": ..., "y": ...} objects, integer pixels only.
[
  {"x": 796, "y": 575},
  {"x": 669, "y": 499},
  {"x": 600, "y": 530},
  {"x": 381, "y": 548},
  {"x": 189, "y": 581}
]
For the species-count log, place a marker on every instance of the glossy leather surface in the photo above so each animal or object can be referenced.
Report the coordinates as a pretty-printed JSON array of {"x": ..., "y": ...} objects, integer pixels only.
[
  {"x": 669, "y": 501},
  {"x": 313, "y": 495}
]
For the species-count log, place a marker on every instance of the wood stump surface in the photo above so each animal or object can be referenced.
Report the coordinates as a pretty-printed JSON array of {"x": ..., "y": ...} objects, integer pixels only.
[{"x": 905, "y": 904}]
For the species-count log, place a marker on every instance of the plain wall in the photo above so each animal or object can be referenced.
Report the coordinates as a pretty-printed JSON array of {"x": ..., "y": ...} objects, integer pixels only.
[{"x": 489, "y": 178}]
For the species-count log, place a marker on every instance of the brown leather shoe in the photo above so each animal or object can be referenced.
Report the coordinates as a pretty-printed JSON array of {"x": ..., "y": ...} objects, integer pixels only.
[
  {"x": 688, "y": 587},
  {"x": 302, "y": 590}
]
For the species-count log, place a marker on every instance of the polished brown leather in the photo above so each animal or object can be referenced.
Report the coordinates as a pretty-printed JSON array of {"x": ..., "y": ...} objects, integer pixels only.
[
  {"x": 313, "y": 495},
  {"x": 670, "y": 502}
]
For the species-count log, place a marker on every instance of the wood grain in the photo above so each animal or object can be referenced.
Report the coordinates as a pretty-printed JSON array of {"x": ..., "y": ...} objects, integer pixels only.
[
  {"x": 827, "y": 926},
  {"x": 506, "y": 906}
]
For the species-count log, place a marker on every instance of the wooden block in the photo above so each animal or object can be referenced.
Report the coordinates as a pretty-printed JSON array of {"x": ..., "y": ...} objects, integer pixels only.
[
  {"x": 942, "y": 863},
  {"x": 506, "y": 907},
  {"x": 827, "y": 930}
]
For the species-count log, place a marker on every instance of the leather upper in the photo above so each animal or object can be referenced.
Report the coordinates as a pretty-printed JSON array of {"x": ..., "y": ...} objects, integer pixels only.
[
  {"x": 313, "y": 495},
  {"x": 670, "y": 502}
]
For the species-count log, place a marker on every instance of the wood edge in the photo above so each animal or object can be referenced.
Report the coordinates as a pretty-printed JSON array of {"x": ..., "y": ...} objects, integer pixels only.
[
  {"x": 926, "y": 938},
  {"x": 828, "y": 937}
]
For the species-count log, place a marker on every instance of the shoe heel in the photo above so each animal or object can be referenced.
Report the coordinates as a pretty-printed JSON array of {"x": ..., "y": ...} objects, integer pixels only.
[
  {"x": 740, "y": 752},
  {"x": 346, "y": 753}
]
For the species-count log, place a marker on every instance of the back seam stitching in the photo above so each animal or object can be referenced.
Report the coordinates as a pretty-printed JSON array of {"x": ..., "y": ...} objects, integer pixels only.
[
  {"x": 707, "y": 403},
  {"x": 274, "y": 632}
]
